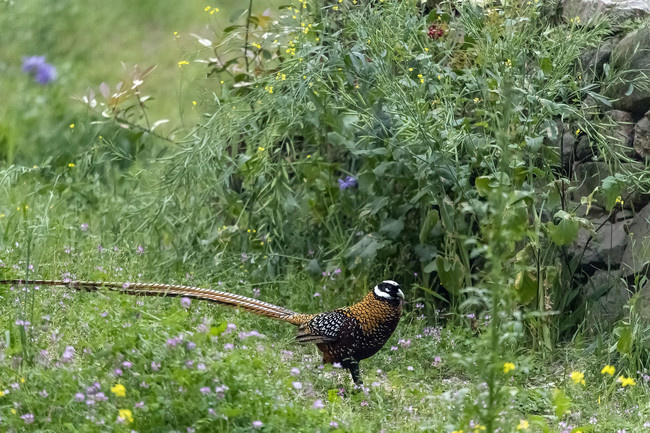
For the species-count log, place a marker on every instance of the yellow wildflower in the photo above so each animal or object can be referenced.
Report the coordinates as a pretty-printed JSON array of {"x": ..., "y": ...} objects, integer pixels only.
[
  {"x": 118, "y": 390},
  {"x": 71, "y": 164},
  {"x": 523, "y": 425},
  {"x": 609, "y": 369},
  {"x": 183, "y": 62},
  {"x": 72, "y": 126},
  {"x": 578, "y": 377},
  {"x": 508, "y": 367},
  {"x": 126, "y": 415},
  {"x": 626, "y": 381}
]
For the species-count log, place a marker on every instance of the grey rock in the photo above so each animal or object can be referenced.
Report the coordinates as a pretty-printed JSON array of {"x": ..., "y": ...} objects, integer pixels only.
[
  {"x": 637, "y": 253},
  {"x": 604, "y": 250},
  {"x": 632, "y": 54},
  {"x": 592, "y": 61},
  {"x": 642, "y": 136},
  {"x": 565, "y": 146},
  {"x": 621, "y": 131},
  {"x": 588, "y": 176},
  {"x": 616, "y": 10},
  {"x": 584, "y": 151},
  {"x": 605, "y": 295}
]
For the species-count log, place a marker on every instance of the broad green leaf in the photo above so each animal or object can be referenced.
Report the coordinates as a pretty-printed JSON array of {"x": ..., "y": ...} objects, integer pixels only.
[
  {"x": 566, "y": 231},
  {"x": 428, "y": 224},
  {"x": 561, "y": 402},
  {"x": 451, "y": 273},
  {"x": 392, "y": 228},
  {"x": 624, "y": 344}
]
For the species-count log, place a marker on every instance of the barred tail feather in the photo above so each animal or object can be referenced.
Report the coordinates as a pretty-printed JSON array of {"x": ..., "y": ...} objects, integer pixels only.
[{"x": 147, "y": 289}]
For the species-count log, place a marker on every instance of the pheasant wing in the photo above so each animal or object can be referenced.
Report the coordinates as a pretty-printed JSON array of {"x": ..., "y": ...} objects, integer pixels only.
[{"x": 323, "y": 328}]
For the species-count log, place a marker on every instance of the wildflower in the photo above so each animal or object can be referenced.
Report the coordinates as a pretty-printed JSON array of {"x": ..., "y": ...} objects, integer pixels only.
[
  {"x": 185, "y": 302},
  {"x": 84, "y": 226},
  {"x": 39, "y": 69},
  {"x": 68, "y": 354},
  {"x": 523, "y": 425},
  {"x": 295, "y": 371},
  {"x": 619, "y": 200},
  {"x": 348, "y": 182},
  {"x": 608, "y": 369},
  {"x": 334, "y": 424},
  {"x": 577, "y": 377},
  {"x": 258, "y": 424},
  {"x": 71, "y": 164},
  {"x": 205, "y": 390},
  {"x": 125, "y": 415},
  {"x": 28, "y": 418},
  {"x": 626, "y": 381},
  {"x": 183, "y": 62},
  {"x": 435, "y": 31},
  {"x": 118, "y": 390},
  {"x": 79, "y": 397},
  {"x": 508, "y": 367},
  {"x": 297, "y": 385},
  {"x": 578, "y": 131}
]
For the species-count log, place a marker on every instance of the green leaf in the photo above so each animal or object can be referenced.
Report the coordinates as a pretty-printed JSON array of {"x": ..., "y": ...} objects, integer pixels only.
[
  {"x": 451, "y": 273},
  {"x": 526, "y": 285},
  {"x": 365, "y": 250},
  {"x": 561, "y": 402},
  {"x": 566, "y": 231},
  {"x": 483, "y": 185},
  {"x": 428, "y": 224},
  {"x": 546, "y": 65},
  {"x": 611, "y": 189},
  {"x": 218, "y": 330},
  {"x": 391, "y": 228},
  {"x": 624, "y": 344}
]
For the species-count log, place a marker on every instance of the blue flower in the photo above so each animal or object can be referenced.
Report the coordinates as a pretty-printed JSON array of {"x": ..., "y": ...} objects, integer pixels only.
[
  {"x": 42, "y": 71},
  {"x": 348, "y": 182}
]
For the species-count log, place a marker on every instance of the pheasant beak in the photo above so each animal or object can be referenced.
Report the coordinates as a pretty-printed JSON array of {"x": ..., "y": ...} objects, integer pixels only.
[{"x": 400, "y": 294}]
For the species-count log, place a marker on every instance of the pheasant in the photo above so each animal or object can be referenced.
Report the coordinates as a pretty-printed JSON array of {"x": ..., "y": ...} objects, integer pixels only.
[{"x": 345, "y": 335}]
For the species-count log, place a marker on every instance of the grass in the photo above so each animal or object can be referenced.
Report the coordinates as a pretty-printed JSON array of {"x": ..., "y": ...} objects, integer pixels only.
[{"x": 208, "y": 368}]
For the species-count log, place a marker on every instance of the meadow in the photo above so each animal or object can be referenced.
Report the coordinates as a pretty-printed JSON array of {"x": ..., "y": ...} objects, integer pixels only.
[{"x": 299, "y": 154}]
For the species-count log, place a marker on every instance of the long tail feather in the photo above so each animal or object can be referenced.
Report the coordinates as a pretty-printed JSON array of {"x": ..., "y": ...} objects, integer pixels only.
[{"x": 147, "y": 289}]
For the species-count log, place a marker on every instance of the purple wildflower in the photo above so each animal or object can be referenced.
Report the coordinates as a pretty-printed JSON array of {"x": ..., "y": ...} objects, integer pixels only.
[
  {"x": 258, "y": 424},
  {"x": 297, "y": 385},
  {"x": 318, "y": 404},
  {"x": 68, "y": 354},
  {"x": 185, "y": 302},
  {"x": 348, "y": 182},
  {"x": 295, "y": 371},
  {"x": 127, "y": 364},
  {"x": 334, "y": 424},
  {"x": 205, "y": 390},
  {"x": 79, "y": 397},
  {"x": 28, "y": 418},
  {"x": 84, "y": 227},
  {"x": 37, "y": 67}
]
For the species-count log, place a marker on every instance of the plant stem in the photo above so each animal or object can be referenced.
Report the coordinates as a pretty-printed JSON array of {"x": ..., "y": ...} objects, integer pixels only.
[{"x": 248, "y": 22}]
